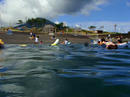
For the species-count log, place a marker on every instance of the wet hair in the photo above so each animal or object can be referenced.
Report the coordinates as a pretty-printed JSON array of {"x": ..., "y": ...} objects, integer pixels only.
[
  {"x": 86, "y": 44},
  {"x": 120, "y": 41},
  {"x": 66, "y": 39},
  {"x": 98, "y": 41},
  {"x": 102, "y": 39}
]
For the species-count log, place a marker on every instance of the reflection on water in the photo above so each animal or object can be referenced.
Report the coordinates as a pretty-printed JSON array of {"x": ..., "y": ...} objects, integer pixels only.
[{"x": 64, "y": 71}]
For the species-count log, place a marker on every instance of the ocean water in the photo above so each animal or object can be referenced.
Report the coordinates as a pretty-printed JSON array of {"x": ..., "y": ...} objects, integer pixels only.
[{"x": 64, "y": 71}]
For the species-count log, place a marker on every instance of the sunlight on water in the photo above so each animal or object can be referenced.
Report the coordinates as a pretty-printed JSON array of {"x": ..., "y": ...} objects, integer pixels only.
[{"x": 64, "y": 71}]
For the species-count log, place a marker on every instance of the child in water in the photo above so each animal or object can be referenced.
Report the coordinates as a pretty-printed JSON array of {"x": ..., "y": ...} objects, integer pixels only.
[
  {"x": 36, "y": 39},
  {"x": 41, "y": 42},
  {"x": 66, "y": 42}
]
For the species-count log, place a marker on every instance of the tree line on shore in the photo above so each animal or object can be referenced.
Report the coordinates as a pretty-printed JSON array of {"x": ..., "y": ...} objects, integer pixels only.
[{"x": 38, "y": 23}]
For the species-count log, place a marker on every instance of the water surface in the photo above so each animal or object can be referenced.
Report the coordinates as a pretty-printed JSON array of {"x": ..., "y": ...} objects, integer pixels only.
[{"x": 64, "y": 71}]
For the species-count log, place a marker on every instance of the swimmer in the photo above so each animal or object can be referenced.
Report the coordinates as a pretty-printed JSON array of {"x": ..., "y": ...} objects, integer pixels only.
[
  {"x": 1, "y": 44},
  {"x": 66, "y": 42},
  {"x": 108, "y": 44},
  {"x": 36, "y": 39}
]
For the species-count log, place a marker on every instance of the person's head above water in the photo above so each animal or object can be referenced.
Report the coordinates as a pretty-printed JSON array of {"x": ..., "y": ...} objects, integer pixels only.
[
  {"x": 103, "y": 40},
  {"x": 66, "y": 39}
]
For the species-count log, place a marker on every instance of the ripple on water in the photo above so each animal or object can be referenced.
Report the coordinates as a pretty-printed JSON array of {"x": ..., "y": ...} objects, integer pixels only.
[{"x": 44, "y": 66}]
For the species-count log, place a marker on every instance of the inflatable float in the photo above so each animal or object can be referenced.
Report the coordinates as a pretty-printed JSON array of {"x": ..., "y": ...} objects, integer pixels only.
[
  {"x": 111, "y": 45},
  {"x": 116, "y": 46},
  {"x": 122, "y": 45},
  {"x": 55, "y": 43},
  {"x": 23, "y": 45}
]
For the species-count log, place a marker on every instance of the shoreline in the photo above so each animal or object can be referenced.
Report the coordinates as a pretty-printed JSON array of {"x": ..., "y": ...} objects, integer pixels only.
[{"x": 23, "y": 38}]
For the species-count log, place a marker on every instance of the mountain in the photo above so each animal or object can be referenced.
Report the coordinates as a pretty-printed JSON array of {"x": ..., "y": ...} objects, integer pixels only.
[{"x": 36, "y": 22}]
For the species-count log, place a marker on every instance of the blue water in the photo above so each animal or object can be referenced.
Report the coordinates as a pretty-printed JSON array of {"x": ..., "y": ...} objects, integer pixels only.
[{"x": 64, "y": 71}]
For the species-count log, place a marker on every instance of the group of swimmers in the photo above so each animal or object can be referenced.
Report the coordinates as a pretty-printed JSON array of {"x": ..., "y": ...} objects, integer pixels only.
[
  {"x": 35, "y": 38},
  {"x": 109, "y": 44},
  {"x": 57, "y": 41}
]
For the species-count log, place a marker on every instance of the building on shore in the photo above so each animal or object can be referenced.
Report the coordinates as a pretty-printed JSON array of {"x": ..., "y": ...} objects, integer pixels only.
[{"x": 49, "y": 29}]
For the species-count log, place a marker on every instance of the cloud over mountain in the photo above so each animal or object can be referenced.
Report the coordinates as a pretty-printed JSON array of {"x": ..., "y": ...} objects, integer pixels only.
[{"x": 13, "y": 10}]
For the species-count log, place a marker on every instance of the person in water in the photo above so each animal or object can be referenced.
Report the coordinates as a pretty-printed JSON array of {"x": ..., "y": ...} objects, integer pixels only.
[
  {"x": 53, "y": 37},
  {"x": 101, "y": 41},
  {"x": 108, "y": 44},
  {"x": 66, "y": 42},
  {"x": 37, "y": 39},
  {"x": 32, "y": 36},
  {"x": 1, "y": 43},
  {"x": 41, "y": 42}
]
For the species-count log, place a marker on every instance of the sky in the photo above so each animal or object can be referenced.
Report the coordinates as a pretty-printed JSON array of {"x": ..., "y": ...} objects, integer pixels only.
[{"x": 84, "y": 13}]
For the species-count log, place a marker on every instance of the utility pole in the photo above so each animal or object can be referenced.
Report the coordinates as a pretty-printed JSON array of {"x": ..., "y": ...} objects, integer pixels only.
[{"x": 115, "y": 26}]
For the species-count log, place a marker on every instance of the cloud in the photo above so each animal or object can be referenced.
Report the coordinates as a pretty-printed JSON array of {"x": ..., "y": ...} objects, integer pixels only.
[
  {"x": 13, "y": 10},
  {"x": 122, "y": 27}
]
